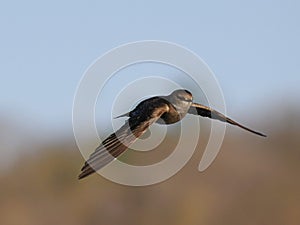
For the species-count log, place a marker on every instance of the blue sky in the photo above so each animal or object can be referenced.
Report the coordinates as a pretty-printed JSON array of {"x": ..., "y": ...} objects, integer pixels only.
[{"x": 252, "y": 46}]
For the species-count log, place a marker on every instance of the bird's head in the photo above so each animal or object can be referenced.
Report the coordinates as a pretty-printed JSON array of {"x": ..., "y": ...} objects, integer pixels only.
[
  {"x": 182, "y": 95},
  {"x": 181, "y": 98}
]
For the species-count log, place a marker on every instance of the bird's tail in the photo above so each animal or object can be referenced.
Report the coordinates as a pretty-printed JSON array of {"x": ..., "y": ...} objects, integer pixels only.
[{"x": 123, "y": 115}]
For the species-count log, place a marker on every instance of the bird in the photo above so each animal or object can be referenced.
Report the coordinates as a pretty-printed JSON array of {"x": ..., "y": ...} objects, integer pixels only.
[{"x": 159, "y": 109}]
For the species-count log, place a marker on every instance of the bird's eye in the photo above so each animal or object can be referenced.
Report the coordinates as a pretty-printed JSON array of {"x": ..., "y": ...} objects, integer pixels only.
[{"x": 183, "y": 99}]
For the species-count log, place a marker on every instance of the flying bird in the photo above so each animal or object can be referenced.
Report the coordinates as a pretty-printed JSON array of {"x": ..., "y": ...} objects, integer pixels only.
[{"x": 160, "y": 109}]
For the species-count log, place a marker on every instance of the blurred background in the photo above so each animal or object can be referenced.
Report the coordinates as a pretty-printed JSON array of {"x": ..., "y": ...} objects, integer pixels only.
[{"x": 253, "y": 49}]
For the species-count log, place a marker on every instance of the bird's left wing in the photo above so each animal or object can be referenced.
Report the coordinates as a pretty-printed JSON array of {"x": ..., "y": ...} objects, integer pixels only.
[
  {"x": 205, "y": 111},
  {"x": 118, "y": 142}
]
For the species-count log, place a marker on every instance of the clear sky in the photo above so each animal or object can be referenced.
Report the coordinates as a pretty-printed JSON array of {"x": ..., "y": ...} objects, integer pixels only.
[{"x": 253, "y": 48}]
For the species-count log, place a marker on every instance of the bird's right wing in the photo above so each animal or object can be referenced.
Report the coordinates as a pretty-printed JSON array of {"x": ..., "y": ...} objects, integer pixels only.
[
  {"x": 205, "y": 111},
  {"x": 118, "y": 142}
]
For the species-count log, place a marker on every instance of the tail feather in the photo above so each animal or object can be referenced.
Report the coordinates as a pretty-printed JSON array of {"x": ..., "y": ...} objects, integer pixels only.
[{"x": 123, "y": 115}]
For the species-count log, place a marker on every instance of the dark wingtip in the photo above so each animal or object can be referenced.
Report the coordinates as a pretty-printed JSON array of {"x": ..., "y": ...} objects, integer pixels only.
[
  {"x": 85, "y": 172},
  {"x": 81, "y": 176},
  {"x": 258, "y": 133},
  {"x": 263, "y": 135}
]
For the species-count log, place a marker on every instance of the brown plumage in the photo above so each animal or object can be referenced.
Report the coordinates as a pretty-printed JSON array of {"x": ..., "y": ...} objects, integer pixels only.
[
  {"x": 118, "y": 142},
  {"x": 205, "y": 111},
  {"x": 164, "y": 110}
]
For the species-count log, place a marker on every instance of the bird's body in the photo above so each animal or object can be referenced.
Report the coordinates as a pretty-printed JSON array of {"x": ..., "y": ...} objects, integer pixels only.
[
  {"x": 161, "y": 109},
  {"x": 174, "y": 112}
]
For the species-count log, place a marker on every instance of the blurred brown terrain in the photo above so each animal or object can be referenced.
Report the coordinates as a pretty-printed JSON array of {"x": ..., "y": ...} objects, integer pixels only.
[{"x": 253, "y": 180}]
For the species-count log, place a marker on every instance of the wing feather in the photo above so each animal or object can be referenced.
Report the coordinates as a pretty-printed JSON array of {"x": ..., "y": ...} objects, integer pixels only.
[
  {"x": 202, "y": 110},
  {"x": 118, "y": 142}
]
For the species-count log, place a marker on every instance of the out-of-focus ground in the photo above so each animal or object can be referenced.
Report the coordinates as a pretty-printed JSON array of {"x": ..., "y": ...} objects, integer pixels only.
[{"x": 254, "y": 180}]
